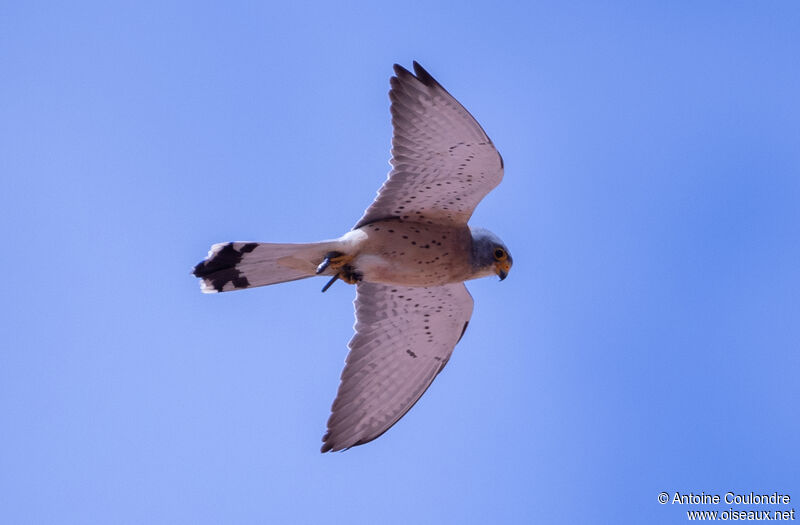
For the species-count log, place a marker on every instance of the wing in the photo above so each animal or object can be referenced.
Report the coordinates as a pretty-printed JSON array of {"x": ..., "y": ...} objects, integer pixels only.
[
  {"x": 443, "y": 163},
  {"x": 404, "y": 337}
]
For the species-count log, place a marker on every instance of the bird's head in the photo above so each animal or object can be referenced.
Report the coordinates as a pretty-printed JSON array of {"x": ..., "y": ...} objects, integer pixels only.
[{"x": 489, "y": 254}]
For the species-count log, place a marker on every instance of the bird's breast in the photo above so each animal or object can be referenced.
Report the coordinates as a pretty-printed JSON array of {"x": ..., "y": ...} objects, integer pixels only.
[{"x": 414, "y": 254}]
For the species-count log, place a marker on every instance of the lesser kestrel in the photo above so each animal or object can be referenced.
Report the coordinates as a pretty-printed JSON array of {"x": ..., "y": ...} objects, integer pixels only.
[{"x": 408, "y": 256}]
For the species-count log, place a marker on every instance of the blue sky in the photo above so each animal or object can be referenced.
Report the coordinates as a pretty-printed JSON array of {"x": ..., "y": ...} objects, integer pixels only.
[{"x": 646, "y": 340}]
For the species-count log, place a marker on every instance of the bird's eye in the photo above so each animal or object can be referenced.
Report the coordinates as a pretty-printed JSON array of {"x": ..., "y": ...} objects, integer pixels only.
[{"x": 499, "y": 254}]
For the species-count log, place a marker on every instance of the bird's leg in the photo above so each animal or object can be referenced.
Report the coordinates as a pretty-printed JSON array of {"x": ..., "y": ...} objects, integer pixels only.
[
  {"x": 334, "y": 260},
  {"x": 326, "y": 262},
  {"x": 339, "y": 263},
  {"x": 328, "y": 285},
  {"x": 349, "y": 275}
]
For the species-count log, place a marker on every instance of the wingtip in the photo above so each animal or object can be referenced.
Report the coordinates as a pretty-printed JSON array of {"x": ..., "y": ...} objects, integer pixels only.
[
  {"x": 326, "y": 444},
  {"x": 329, "y": 446},
  {"x": 420, "y": 73},
  {"x": 423, "y": 75},
  {"x": 400, "y": 71}
]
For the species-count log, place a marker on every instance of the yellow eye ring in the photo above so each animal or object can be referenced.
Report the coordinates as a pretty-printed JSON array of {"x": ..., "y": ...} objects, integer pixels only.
[{"x": 500, "y": 254}]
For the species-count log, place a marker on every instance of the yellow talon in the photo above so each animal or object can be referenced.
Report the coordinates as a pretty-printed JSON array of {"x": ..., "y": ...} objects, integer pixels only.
[
  {"x": 334, "y": 261},
  {"x": 338, "y": 265},
  {"x": 349, "y": 277}
]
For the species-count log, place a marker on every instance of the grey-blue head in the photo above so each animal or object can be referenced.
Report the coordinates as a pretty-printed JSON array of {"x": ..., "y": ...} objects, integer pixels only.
[{"x": 489, "y": 254}]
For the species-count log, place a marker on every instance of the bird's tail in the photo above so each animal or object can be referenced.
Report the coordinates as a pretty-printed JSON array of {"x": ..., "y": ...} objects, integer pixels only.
[{"x": 238, "y": 265}]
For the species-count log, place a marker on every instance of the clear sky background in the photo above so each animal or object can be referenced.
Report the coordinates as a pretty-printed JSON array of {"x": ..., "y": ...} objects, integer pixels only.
[{"x": 646, "y": 340}]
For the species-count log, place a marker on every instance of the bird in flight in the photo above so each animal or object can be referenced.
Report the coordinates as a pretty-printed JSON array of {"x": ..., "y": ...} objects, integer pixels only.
[{"x": 408, "y": 256}]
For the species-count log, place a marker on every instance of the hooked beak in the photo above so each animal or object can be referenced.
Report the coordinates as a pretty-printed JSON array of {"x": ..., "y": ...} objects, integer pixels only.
[{"x": 502, "y": 268}]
